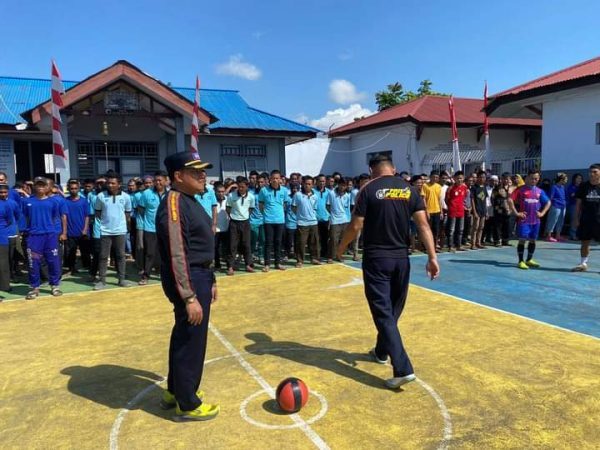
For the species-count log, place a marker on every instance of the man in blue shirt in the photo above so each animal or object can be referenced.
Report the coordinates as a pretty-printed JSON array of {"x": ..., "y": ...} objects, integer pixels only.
[
  {"x": 271, "y": 202},
  {"x": 113, "y": 208},
  {"x": 10, "y": 213},
  {"x": 321, "y": 194},
  {"x": 142, "y": 185},
  {"x": 338, "y": 203},
  {"x": 257, "y": 222},
  {"x": 291, "y": 223},
  {"x": 305, "y": 205},
  {"x": 94, "y": 224},
  {"x": 77, "y": 227},
  {"x": 42, "y": 213},
  {"x": 147, "y": 205},
  {"x": 208, "y": 200}
]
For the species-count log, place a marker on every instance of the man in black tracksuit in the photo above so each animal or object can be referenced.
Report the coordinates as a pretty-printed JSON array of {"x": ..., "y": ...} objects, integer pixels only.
[
  {"x": 384, "y": 207},
  {"x": 186, "y": 246}
]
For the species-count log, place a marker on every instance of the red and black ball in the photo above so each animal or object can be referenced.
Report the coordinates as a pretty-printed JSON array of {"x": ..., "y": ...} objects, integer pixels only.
[{"x": 291, "y": 395}]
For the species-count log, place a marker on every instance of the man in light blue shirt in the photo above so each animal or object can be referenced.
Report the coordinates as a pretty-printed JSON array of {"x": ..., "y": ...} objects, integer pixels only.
[
  {"x": 147, "y": 205},
  {"x": 338, "y": 202},
  {"x": 322, "y": 193},
  {"x": 271, "y": 201},
  {"x": 208, "y": 200},
  {"x": 291, "y": 223},
  {"x": 305, "y": 205},
  {"x": 240, "y": 205},
  {"x": 257, "y": 222},
  {"x": 113, "y": 208}
]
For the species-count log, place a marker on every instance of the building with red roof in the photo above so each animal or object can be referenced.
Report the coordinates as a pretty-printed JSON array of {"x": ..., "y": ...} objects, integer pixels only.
[
  {"x": 568, "y": 101},
  {"x": 417, "y": 135}
]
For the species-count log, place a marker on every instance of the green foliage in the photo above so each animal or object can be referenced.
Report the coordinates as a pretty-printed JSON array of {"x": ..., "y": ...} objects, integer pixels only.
[{"x": 396, "y": 95}]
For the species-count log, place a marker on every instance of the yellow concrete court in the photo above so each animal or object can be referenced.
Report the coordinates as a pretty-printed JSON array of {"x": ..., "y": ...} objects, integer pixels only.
[{"x": 82, "y": 371}]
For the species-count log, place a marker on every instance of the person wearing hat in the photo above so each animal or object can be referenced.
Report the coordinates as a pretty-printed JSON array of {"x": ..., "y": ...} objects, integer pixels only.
[
  {"x": 186, "y": 243},
  {"x": 42, "y": 213}
]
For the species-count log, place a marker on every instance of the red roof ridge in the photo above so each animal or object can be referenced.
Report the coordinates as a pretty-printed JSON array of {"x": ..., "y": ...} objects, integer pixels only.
[{"x": 517, "y": 88}]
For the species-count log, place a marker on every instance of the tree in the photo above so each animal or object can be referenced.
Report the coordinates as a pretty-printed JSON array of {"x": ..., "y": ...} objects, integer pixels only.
[{"x": 395, "y": 94}]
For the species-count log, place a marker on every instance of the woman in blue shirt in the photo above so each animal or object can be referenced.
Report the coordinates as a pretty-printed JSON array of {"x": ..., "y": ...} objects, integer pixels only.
[{"x": 556, "y": 215}]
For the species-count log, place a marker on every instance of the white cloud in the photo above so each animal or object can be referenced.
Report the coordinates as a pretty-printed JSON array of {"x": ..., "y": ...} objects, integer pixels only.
[
  {"x": 258, "y": 34},
  {"x": 236, "y": 67},
  {"x": 340, "y": 116},
  {"x": 343, "y": 92}
]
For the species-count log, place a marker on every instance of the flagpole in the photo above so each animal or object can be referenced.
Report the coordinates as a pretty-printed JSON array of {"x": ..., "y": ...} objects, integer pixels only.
[
  {"x": 486, "y": 132},
  {"x": 58, "y": 148},
  {"x": 456, "y": 163},
  {"x": 195, "y": 131}
]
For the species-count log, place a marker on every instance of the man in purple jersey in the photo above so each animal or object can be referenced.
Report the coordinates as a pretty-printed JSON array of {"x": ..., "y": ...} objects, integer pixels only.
[{"x": 529, "y": 203}]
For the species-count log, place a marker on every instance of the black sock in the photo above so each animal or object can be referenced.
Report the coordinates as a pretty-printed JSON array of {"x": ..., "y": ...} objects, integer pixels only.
[
  {"x": 521, "y": 250},
  {"x": 530, "y": 250}
]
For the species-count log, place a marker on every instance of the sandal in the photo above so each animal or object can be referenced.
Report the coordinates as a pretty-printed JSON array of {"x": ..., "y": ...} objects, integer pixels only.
[
  {"x": 56, "y": 292},
  {"x": 32, "y": 295}
]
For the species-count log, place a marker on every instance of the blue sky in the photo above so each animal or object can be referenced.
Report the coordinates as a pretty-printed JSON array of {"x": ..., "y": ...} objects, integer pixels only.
[{"x": 285, "y": 55}]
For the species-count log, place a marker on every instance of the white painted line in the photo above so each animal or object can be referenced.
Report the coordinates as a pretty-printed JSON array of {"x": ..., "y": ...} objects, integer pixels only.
[
  {"x": 250, "y": 420},
  {"x": 306, "y": 429},
  {"x": 447, "y": 435},
  {"x": 506, "y": 312},
  {"x": 494, "y": 309},
  {"x": 116, "y": 428}
]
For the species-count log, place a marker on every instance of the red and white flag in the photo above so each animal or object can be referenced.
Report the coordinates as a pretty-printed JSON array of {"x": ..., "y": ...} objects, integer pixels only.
[
  {"x": 487, "y": 163},
  {"x": 57, "y": 89},
  {"x": 456, "y": 165},
  {"x": 194, "y": 137}
]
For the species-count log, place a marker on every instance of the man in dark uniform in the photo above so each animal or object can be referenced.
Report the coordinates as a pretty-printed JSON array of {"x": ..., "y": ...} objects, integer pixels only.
[
  {"x": 384, "y": 207},
  {"x": 186, "y": 246}
]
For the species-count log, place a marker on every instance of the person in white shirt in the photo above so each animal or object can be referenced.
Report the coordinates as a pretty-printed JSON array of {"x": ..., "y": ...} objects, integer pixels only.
[
  {"x": 240, "y": 204},
  {"x": 222, "y": 226}
]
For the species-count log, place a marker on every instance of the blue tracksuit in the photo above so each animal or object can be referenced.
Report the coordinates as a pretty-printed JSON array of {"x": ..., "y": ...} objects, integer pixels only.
[{"x": 42, "y": 242}]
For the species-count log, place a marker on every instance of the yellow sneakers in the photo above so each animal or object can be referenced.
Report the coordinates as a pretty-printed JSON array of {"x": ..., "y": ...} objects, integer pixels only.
[
  {"x": 202, "y": 412},
  {"x": 533, "y": 263},
  {"x": 168, "y": 400},
  {"x": 523, "y": 265}
]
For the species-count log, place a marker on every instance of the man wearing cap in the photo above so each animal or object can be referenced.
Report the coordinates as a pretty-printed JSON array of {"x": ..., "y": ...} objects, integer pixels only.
[
  {"x": 385, "y": 206},
  {"x": 186, "y": 243}
]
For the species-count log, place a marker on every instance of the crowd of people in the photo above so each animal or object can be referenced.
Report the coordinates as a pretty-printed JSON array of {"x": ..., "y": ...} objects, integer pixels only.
[{"x": 269, "y": 219}]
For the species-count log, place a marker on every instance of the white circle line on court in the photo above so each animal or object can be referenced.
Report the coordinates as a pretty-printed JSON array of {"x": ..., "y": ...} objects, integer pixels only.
[
  {"x": 306, "y": 429},
  {"x": 250, "y": 420},
  {"x": 116, "y": 428}
]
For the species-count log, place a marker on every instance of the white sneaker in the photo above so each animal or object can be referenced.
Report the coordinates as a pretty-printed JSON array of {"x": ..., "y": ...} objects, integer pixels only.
[
  {"x": 376, "y": 358},
  {"x": 580, "y": 268},
  {"x": 396, "y": 382}
]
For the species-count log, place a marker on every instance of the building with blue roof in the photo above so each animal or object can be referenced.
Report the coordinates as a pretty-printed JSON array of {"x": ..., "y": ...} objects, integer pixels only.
[{"x": 123, "y": 119}]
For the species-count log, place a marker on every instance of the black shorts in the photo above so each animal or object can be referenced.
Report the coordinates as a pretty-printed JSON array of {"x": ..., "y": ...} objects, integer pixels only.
[{"x": 589, "y": 231}]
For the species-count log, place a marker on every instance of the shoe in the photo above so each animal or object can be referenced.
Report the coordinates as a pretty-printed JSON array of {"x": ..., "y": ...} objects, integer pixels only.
[
  {"x": 299, "y": 265},
  {"x": 202, "y": 412},
  {"x": 32, "y": 295},
  {"x": 551, "y": 239},
  {"x": 279, "y": 267},
  {"x": 533, "y": 263},
  {"x": 249, "y": 269},
  {"x": 230, "y": 271},
  {"x": 125, "y": 283},
  {"x": 396, "y": 382},
  {"x": 143, "y": 281},
  {"x": 376, "y": 358},
  {"x": 580, "y": 268},
  {"x": 523, "y": 265},
  {"x": 330, "y": 261},
  {"x": 316, "y": 262},
  {"x": 168, "y": 400},
  {"x": 265, "y": 269},
  {"x": 56, "y": 292},
  {"x": 100, "y": 285}
]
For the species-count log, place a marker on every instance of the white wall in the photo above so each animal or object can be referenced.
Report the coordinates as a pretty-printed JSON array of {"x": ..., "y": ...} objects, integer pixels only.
[
  {"x": 306, "y": 157},
  {"x": 569, "y": 131}
]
